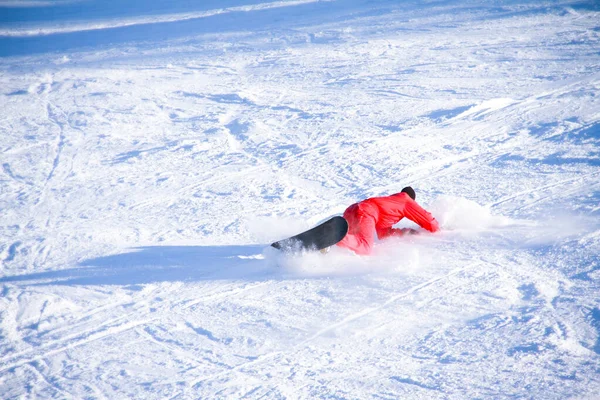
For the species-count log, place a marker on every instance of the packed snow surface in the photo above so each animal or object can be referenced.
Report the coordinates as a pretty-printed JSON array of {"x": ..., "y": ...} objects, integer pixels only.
[{"x": 151, "y": 151}]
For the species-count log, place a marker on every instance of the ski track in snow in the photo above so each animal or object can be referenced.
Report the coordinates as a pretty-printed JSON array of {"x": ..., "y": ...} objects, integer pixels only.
[{"x": 149, "y": 156}]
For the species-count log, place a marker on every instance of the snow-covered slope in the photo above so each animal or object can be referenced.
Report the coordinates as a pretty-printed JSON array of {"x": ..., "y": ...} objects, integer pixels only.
[{"x": 150, "y": 153}]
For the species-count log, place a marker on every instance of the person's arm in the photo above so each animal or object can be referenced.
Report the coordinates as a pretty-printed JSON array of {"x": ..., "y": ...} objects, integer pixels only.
[
  {"x": 384, "y": 233},
  {"x": 420, "y": 216}
]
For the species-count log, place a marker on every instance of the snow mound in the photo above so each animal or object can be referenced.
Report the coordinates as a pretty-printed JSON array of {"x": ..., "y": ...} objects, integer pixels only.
[
  {"x": 457, "y": 213},
  {"x": 391, "y": 256}
]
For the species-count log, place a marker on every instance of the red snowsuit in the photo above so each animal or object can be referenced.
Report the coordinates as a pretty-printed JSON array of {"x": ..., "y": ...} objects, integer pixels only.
[{"x": 378, "y": 215}]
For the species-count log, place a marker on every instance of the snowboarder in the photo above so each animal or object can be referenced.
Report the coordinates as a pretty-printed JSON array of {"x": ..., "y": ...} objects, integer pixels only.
[{"x": 378, "y": 215}]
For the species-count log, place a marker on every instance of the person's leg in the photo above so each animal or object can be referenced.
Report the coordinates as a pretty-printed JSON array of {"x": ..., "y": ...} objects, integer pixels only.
[{"x": 361, "y": 231}]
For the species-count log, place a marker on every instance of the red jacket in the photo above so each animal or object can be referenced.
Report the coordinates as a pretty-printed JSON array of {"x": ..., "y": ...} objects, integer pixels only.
[
  {"x": 389, "y": 210},
  {"x": 378, "y": 215}
]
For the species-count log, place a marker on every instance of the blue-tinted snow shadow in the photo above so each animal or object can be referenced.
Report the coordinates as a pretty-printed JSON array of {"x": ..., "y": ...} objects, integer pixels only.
[
  {"x": 94, "y": 37},
  {"x": 283, "y": 16},
  {"x": 152, "y": 264},
  {"x": 93, "y": 33},
  {"x": 445, "y": 114},
  {"x": 584, "y": 135},
  {"x": 65, "y": 11},
  {"x": 557, "y": 158}
]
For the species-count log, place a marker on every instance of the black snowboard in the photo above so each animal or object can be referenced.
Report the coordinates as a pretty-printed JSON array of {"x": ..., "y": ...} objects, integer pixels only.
[{"x": 320, "y": 237}]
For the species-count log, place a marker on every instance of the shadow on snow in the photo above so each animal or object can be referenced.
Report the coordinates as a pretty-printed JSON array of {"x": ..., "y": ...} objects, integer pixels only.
[
  {"x": 95, "y": 19},
  {"x": 97, "y": 32},
  {"x": 143, "y": 265}
]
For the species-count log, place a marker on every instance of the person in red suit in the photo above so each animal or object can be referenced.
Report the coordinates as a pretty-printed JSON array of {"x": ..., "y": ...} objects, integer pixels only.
[{"x": 377, "y": 215}]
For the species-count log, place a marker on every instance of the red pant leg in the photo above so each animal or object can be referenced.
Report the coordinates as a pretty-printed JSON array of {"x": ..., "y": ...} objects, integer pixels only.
[{"x": 361, "y": 231}]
